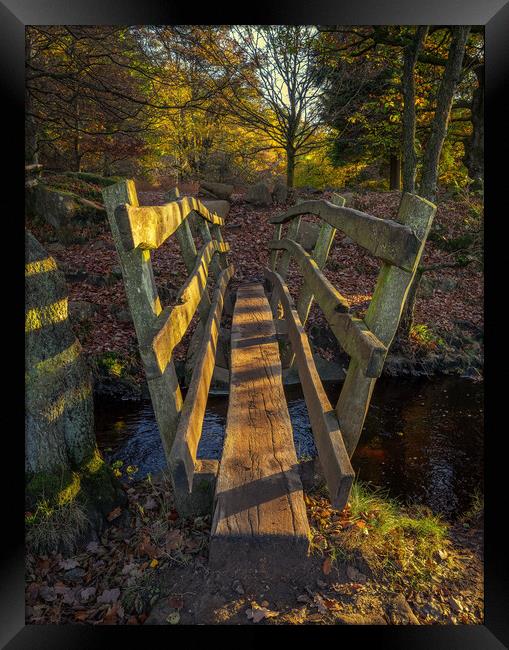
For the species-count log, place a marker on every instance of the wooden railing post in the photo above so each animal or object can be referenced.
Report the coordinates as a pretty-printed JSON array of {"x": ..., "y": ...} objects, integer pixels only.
[
  {"x": 204, "y": 231},
  {"x": 282, "y": 266},
  {"x": 382, "y": 318},
  {"x": 145, "y": 307},
  {"x": 320, "y": 254}
]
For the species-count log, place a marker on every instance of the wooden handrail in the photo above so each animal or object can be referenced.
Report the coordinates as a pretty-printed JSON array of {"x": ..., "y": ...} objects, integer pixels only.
[
  {"x": 333, "y": 456},
  {"x": 183, "y": 453},
  {"x": 389, "y": 240},
  {"x": 172, "y": 323},
  {"x": 321, "y": 286},
  {"x": 353, "y": 335},
  {"x": 148, "y": 227}
]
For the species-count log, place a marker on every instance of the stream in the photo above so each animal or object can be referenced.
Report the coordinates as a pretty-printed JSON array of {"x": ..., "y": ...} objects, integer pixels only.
[{"x": 422, "y": 440}]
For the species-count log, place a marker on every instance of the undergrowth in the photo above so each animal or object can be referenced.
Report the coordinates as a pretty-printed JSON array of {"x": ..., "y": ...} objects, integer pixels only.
[
  {"x": 51, "y": 525},
  {"x": 404, "y": 547}
]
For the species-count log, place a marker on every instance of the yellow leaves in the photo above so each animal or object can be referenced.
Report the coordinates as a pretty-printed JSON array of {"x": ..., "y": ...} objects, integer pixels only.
[
  {"x": 257, "y": 613},
  {"x": 153, "y": 563}
]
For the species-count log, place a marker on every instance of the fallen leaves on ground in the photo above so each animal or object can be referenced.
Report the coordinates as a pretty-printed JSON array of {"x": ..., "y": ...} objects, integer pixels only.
[
  {"x": 256, "y": 612},
  {"x": 350, "y": 268},
  {"x": 91, "y": 585}
]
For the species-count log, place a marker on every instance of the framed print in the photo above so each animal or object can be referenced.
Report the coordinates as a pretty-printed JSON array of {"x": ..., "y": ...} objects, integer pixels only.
[{"x": 254, "y": 297}]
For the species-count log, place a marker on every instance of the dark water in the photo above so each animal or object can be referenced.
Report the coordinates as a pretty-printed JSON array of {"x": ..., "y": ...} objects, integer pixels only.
[{"x": 422, "y": 440}]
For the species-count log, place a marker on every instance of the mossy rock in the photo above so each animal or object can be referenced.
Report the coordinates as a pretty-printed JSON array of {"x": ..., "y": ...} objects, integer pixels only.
[{"x": 102, "y": 181}]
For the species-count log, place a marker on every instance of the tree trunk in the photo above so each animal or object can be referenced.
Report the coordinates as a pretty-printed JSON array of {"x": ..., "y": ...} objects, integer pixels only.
[
  {"x": 69, "y": 488},
  {"x": 395, "y": 172},
  {"x": 408, "y": 89},
  {"x": 31, "y": 148},
  {"x": 77, "y": 155},
  {"x": 106, "y": 164},
  {"x": 428, "y": 186},
  {"x": 474, "y": 146},
  {"x": 290, "y": 167}
]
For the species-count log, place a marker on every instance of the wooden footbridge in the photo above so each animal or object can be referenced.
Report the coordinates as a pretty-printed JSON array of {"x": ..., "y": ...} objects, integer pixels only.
[{"x": 255, "y": 491}]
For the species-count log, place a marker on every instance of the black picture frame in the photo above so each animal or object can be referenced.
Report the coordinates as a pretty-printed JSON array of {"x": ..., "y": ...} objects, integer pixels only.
[{"x": 14, "y": 16}]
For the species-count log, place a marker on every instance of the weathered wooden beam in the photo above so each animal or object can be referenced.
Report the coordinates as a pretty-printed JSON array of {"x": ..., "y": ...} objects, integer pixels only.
[
  {"x": 173, "y": 321},
  {"x": 320, "y": 285},
  {"x": 382, "y": 318},
  {"x": 190, "y": 254},
  {"x": 352, "y": 334},
  {"x": 278, "y": 228},
  {"x": 187, "y": 438},
  {"x": 320, "y": 255},
  {"x": 260, "y": 514},
  {"x": 150, "y": 226},
  {"x": 145, "y": 308},
  {"x": 202, "y": 228},
  {"x": 337, "y": 469},
  {"x": 284, "y": 262},
  {"x": 217, "y": 234},
  {"x": 395, "y": 243}
]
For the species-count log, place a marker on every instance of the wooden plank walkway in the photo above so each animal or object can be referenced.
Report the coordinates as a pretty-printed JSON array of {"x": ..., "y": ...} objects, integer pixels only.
[{"x": 260, "y": 516}]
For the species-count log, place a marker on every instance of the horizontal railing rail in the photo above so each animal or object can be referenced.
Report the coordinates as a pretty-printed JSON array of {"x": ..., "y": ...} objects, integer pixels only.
[
  {"x": 333, "y": 456},
  {"x": 399, "y": 244},
  {"x": 136, "y": 231},
  {"x": 183, "y": 454},
  {"x": 351, "y": 333},
  {"x": 173, "y": 322},
  {"x": 387, "y": 239},
  {"x": 148, "y": 227}
]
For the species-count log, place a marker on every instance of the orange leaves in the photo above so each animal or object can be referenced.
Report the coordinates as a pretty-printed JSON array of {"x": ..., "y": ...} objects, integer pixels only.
[{"x": 114, "y": 514}]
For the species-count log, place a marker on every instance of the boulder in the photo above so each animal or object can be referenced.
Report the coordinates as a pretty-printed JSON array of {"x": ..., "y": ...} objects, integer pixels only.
[
  {"x": 121, "y": 313},
  {"x": 280, "y": 192},
  {"x": 32, "y": 175},
  {"x": 307, "y": 190},
  {"x": 55, "y": 247},
  {"x": 221, "y": 190},
  {"x": 259, "y": 194},
  {"x": 81, "y": 310},
  {"x": 57, "y": 208},
  {"x": 447, "y": 284},
  {"x": 66, "y": 212},
  {"x": 350, "y": 199},
  {"x": 221, "y": 208}
]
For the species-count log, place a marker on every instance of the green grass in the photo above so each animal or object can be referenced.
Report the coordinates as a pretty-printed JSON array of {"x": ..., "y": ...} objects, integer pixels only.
[
  {"x": 400, "y": 544},
  {"x": 425, "y": 336},
  {"x": 113, "y": 363},
  {"x": 476, "y": 509},
  {"x": 51, "y": 525}
]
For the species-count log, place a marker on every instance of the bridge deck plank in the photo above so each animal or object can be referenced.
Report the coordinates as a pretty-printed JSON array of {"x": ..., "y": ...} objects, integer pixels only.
[{"x": 260, "y": 515}]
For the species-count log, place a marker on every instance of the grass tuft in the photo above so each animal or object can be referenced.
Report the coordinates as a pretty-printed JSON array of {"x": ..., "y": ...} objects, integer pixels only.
[
  {"x": 53, "y": 526},
  {"x": 401, "y": 545}
]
